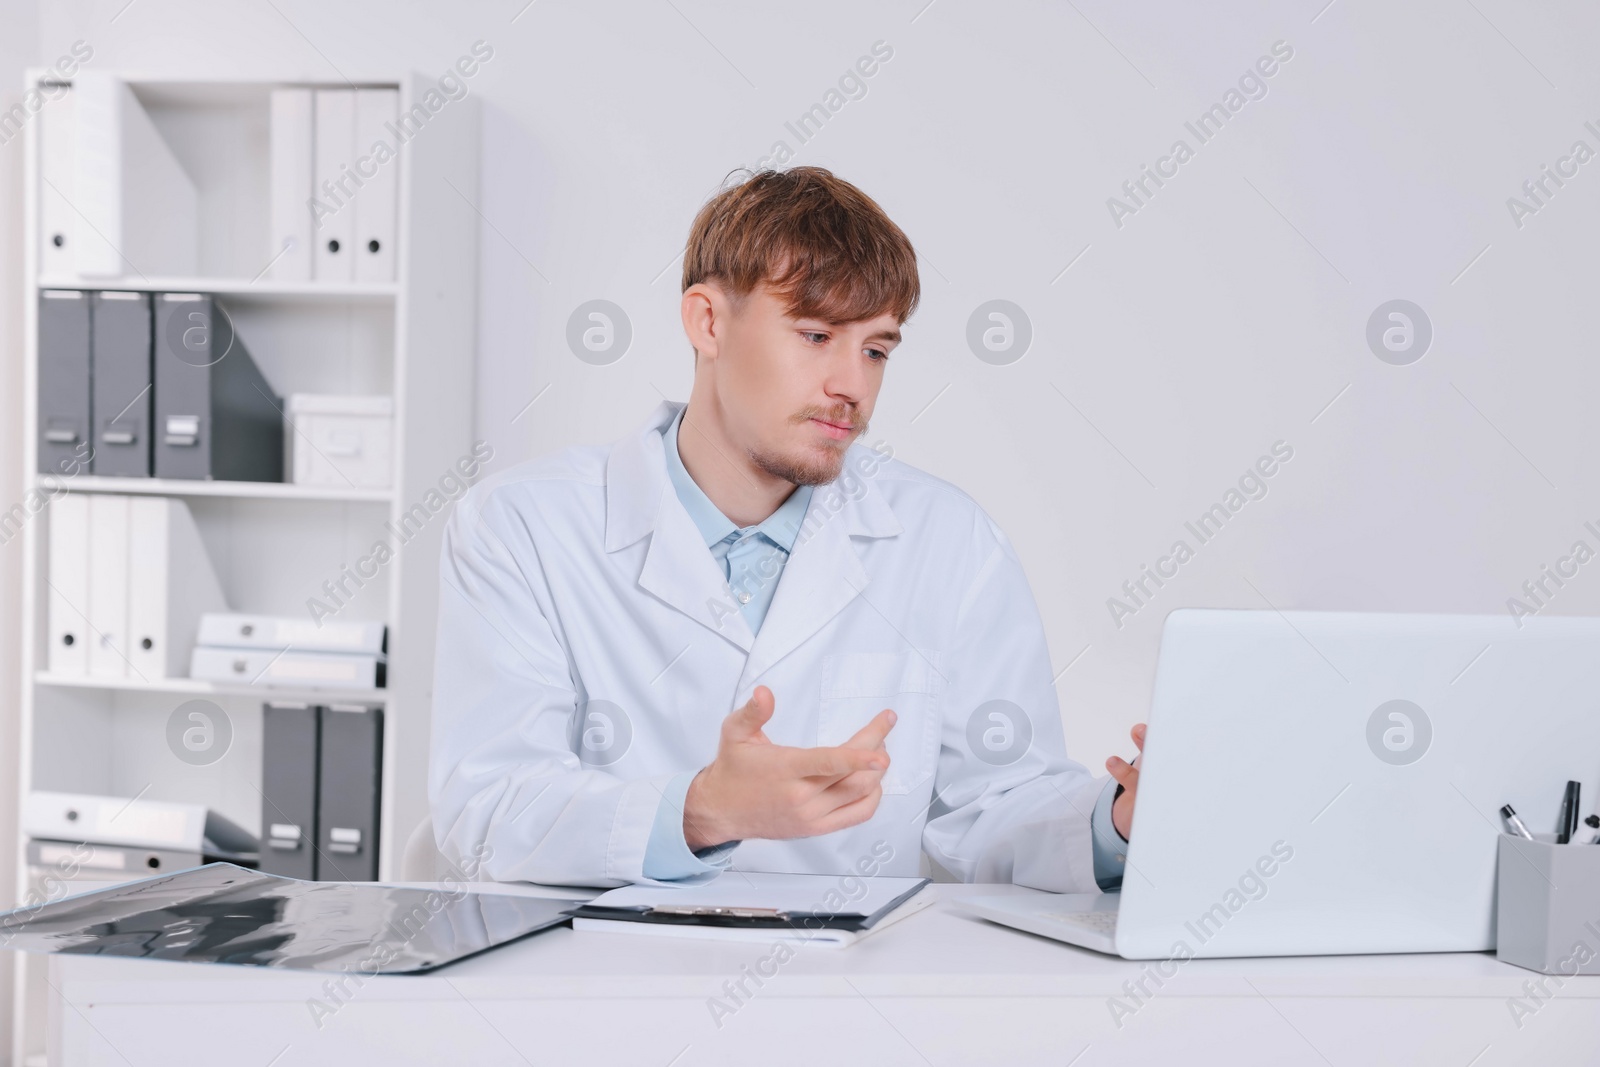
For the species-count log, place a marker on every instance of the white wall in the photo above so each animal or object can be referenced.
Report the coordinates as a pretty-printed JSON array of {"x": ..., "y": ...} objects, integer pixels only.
[{"x": 1222, "y": 317}]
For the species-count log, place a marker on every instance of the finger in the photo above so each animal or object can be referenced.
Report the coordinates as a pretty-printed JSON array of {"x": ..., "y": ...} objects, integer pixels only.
[
  {"x": 851, "y": 814},
  {"x": 850, "y": 788},
  {"x": 745, "y": 723},
  {"x": 1138, "y": 736},
  {"x": 837, "y": 762},
  {"x": 1124, "y": 772},
  {"x": 872, "y": 735}
]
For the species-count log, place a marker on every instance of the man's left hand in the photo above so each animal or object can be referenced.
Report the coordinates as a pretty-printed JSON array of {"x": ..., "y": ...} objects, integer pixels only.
[{"x": 1127, "y": 776}]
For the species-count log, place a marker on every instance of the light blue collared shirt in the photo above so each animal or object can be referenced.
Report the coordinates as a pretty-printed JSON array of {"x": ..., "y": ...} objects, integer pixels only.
[
  {"x": 1110, "y": 847},
  {"x": 752, "y": 560}
]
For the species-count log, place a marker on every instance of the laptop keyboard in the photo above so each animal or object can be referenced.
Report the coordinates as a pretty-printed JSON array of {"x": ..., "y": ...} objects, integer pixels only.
[{"x": 1101, "y": 922}]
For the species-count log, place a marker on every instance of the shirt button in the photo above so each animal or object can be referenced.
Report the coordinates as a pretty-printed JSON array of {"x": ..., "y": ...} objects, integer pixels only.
[{"x": 744, "y": 598}]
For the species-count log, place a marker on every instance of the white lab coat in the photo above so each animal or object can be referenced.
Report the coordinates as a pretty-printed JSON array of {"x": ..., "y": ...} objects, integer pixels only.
[{"x": 580, "y": 578}]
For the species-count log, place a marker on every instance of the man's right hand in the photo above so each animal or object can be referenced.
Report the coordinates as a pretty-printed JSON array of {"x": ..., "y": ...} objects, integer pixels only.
[{"x": 756, "y": 789}]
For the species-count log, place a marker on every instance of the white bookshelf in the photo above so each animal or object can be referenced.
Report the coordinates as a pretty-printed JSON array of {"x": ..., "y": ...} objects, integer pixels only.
[
  {"x": 190, "y": 687},
  {"x": 272, "y": 545},
  {"x": 239, "y": 288},
  {"x": 88, "y": 483}
]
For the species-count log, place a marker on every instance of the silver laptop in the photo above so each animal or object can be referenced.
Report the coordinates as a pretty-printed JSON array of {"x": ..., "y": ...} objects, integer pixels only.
[{"x": 1319, "y": 783}]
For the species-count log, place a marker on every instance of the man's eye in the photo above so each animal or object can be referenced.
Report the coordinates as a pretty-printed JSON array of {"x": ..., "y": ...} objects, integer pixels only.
[
  {"x": 877, "y": 355},
  {"x": 815, "y": 337}
]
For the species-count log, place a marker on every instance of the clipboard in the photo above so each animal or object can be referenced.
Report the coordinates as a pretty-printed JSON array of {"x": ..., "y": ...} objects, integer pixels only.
[
  {"x": 759, "y": 901},
  {"x": 223, "y": 913}
]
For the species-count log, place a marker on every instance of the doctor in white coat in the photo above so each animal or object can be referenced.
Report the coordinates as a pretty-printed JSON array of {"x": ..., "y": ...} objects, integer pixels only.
[{"x": 739, "y": 636}]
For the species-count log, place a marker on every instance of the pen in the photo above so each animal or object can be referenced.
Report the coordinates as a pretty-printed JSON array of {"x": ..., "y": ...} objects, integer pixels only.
[
  {"x": 1567, "y": 824},
  {"x": 1516, "y": 824}
]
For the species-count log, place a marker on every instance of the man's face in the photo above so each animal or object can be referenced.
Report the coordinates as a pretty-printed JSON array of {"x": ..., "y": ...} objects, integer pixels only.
[{"x": 794, "y": 393}]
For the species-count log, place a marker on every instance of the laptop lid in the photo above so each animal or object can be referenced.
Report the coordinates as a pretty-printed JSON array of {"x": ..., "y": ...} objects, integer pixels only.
[{"x": 1331, "y": 782}]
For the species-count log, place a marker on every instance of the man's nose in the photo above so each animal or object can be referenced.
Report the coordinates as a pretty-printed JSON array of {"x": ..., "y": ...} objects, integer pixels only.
[{"x": 846, "y": 380}]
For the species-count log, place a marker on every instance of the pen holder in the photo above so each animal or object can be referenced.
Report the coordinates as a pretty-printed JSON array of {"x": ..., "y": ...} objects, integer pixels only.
[{"x": 1547, "y": 915}]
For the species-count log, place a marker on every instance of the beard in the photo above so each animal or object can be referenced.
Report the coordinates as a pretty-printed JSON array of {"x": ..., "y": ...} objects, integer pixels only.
[{"x": 813, "y": 466}]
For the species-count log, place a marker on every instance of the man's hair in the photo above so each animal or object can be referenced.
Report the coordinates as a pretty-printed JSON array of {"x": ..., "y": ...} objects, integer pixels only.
[{"x": 822, "y": 245}]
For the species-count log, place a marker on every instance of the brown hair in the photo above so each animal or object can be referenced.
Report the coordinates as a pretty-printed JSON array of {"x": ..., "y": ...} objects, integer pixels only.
[{"x": 817, "y": 241}]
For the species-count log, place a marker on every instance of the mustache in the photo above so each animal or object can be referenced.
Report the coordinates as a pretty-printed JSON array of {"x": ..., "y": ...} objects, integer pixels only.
[{"x": 842, "y": 414}]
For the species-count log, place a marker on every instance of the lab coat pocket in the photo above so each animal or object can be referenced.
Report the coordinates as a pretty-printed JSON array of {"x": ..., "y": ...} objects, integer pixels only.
[{"x": 858, "y": 685}]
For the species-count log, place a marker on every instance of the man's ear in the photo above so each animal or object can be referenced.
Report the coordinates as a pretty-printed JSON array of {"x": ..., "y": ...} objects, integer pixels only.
[{"x": 703, "y": 310}]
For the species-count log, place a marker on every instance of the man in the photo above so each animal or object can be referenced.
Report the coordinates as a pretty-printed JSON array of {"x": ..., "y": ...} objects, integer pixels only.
[{"x": 735, "y": 636}]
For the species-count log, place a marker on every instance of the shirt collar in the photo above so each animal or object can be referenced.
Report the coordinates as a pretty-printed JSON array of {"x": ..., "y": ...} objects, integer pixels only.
[{"x": 782, "y": 527}]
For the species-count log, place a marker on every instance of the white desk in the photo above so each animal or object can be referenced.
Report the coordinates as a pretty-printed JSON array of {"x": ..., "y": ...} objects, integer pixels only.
[{"x": 938, "y": 988}]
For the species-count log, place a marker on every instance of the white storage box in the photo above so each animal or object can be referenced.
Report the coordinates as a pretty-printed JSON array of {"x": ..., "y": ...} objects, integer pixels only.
[
  {"x": 340, "y": 441},
  {"x": 262, "y": 666},
  {"x": 279, "y": 633}
]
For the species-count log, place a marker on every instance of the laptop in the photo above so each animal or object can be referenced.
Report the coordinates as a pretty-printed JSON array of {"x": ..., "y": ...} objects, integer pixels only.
[{"x": 1330, "y": 782}]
